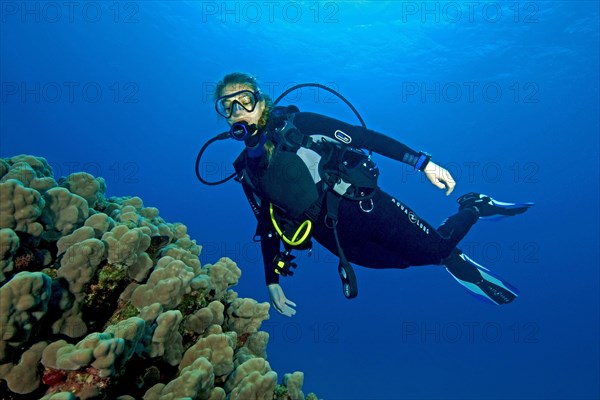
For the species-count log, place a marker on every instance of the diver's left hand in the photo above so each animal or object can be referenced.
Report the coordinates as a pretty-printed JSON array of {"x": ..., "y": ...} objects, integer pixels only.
[{"x": 440, "y": 177}]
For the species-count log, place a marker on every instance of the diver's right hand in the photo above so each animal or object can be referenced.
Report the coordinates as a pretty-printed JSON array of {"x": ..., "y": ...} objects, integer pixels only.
[{"x": 279, "y": 301}]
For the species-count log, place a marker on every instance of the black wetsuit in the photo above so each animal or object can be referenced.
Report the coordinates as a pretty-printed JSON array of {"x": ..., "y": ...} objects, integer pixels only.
[{"x": 389, "y": 236}]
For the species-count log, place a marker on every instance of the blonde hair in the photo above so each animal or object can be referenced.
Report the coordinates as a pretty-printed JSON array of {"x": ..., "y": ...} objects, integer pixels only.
[{"x": 241, "y": 78}]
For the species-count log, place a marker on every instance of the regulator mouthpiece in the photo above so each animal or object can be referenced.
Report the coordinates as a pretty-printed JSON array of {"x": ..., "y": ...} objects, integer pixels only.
[{"x": 241, "y": 130}]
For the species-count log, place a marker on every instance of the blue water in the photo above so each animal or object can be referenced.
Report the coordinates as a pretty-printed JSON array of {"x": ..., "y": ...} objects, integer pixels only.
[{"x": 506, "y": 96}]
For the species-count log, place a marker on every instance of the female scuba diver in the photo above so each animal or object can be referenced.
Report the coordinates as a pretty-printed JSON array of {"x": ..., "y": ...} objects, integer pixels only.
[{"x": 307, "y": 177}]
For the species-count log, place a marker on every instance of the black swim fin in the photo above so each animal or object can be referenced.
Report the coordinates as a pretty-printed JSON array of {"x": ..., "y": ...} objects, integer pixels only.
[
  {"x": 489, "y": 208},
  {"x": 479, "y": 280}
]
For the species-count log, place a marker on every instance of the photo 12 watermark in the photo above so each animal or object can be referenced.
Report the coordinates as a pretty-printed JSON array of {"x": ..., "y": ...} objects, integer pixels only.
[
  {"x": 113, "y": 172},
  {"x": 318, "y": 332},
  {"x": 523, "y": 172},
  {"x": 469, "y": 12},
  {"x": 492, "y": 252},
  {"x": 254, "y": 12},
  {"x": 469, "y": 92},
  {"x": 69, "y": 92},
  {"x": 70, "y": 12},
  {"x": 245, "y": 252},
  {"x": 469, "y": 332}
]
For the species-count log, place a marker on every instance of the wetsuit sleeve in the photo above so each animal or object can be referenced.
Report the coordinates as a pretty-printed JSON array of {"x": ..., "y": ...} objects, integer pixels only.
[
  {"x": 269, "y": 245},
  {"x": 317, "y": 124}
]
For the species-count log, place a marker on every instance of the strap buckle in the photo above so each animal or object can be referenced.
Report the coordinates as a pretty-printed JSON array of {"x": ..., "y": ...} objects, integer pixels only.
[{"x": 284, "y": 264}]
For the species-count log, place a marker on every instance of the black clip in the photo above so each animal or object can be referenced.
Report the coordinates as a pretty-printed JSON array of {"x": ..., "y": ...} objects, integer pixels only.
[{"x": 283, "y": 263}]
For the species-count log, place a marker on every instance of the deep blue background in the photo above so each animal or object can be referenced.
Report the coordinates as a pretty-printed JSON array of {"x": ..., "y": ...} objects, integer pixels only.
[{"x": 141, "y": 75}]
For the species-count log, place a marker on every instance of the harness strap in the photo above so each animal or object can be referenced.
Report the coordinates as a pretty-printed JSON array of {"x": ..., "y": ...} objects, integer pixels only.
[
  {"x": 246, "y": 186},
  {"x": 262, "y": 226},
  {"x": 292, "y": 139}
]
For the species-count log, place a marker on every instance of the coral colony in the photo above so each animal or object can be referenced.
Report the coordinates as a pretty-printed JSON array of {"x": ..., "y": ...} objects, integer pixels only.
[{"x": 103, "y": 299}]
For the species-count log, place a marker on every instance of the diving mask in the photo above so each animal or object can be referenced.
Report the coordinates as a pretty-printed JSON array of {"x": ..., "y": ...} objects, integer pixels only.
[{"x": 246, "y": 99}]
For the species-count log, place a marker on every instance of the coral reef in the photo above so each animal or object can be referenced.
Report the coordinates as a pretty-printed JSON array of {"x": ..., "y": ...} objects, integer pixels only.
[{"x": 103, "y": 299}]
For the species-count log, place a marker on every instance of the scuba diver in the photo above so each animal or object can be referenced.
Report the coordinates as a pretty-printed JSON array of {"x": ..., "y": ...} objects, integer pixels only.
[{"x": 306, "y": 176}]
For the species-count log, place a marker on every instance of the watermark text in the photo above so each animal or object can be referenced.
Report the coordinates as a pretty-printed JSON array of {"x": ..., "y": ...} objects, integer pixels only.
[
  {"x": 470, "y": 92},
  {"x": 471, "y": 332},
  {"x": 469, "y": 11},
  {"x": 270, "y": 11},
  {"x": 69, "y": 92},
  {"x": 52, "y": 12}
]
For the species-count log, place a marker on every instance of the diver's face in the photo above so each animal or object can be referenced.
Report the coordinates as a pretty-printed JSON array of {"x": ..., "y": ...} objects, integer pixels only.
[{"x": 239, "y": 104}]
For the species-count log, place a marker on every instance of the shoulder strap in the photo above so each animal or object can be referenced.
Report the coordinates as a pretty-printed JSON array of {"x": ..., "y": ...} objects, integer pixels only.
[
  {"x": 252, "y": 195},
  {"x": 239, "y": 164}
]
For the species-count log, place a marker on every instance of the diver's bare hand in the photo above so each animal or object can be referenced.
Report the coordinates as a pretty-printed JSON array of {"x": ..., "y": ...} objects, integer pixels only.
[
  {"x": 440, "y": 177},
  {"x": 279, "y": 301}
]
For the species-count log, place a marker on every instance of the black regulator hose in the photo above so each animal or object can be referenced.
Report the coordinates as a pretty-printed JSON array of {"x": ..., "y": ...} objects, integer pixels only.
[
  {"x": 318, "y": 85},
  {"x": 226, "y": 135},
  {"x": 220, "y": 136}
]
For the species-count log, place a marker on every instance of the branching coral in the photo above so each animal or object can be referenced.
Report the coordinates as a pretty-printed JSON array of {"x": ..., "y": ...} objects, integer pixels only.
[
  {"x": 246, "y": 315},
  {"x": 79, "y": 235},
  {"x": 64, "y": 211},
  {"x": 217, "y": 278},
  {"x": 123, "y": 308},
  {"x": 78, "y": 267},
  {"x": 4, "y": 169},
  {"x": 196, "y": 381},
  {"x": 9, "y": 243},
  {"x": 200, "y": 320},
  {"x": 21, "y": 377},
  {"x": 187, "y": 256},
  {"x": 93, "y": 361},
  {"x": 293, "y": 383},
  {"x": 167, "y": 284},
  {"x": 23, "y": 303},
  {"x": 128, "y": 246},
  {"x": 32, "y": 172},
  {"x": 85, "y": 185},
  {"x": 20, "y": 207},
  {"x": 254, "y": 379},
  {"x": 251, "y": 345},
  {"x": 101, "y": 223},
  {"x": 217, "y": 348},
  {"x": 167, "y": 341}
]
